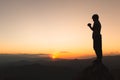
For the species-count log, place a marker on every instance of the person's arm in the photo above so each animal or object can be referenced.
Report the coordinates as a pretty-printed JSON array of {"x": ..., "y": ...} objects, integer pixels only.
[{"x": 89, "y": 25}]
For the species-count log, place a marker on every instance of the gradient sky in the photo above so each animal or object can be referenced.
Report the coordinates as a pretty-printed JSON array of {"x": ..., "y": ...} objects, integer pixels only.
[{"x": 57, "y": 27}]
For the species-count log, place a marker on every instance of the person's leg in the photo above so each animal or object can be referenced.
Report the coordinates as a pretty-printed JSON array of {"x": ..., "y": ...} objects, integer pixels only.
[
  {"x": 99, "y": 54},
  {"x": 97, "y": 43}
]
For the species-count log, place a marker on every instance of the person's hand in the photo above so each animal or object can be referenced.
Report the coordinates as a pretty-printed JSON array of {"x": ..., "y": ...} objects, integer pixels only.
[{"x": 89, "y": 24}]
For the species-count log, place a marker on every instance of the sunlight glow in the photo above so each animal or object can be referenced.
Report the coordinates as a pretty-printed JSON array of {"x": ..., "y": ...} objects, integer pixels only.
[
  {"x": 58, "y": 27},
  {"x": 54, "y": 57}
]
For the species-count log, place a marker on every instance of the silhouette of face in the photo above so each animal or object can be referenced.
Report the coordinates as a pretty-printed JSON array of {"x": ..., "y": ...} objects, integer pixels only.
[{"x": 95, "y": 17}]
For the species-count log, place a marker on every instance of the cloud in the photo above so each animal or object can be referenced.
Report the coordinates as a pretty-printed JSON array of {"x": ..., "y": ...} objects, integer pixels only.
[{"x": 64, "y": 52}]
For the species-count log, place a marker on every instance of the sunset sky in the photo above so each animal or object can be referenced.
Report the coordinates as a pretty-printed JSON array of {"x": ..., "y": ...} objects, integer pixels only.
[{"x": 57, "y": 27}]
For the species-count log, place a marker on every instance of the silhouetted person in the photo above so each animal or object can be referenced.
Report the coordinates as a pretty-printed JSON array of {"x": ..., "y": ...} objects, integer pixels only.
[{"x": 97, "y": 40}]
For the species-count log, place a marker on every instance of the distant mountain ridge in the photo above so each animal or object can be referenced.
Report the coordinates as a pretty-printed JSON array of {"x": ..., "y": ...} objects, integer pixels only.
[{"x": 58, "y": 69}]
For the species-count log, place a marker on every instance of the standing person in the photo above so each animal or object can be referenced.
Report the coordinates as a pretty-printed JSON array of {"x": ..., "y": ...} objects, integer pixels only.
[{"x": 97, "y": 38}]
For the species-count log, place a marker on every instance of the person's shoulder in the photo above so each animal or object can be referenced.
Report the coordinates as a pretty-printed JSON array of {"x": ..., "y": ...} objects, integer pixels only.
[{"x": 98, "y": 23}]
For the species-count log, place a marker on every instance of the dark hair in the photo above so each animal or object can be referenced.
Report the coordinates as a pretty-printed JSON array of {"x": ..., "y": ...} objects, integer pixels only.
[{"x": 95, "y": 16}]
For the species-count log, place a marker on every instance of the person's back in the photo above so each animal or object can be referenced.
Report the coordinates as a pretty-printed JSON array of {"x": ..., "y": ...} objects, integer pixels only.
[{"x": 96, "y": 28}]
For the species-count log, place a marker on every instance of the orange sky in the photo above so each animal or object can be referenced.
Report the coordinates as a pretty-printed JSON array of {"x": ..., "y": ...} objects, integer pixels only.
[{"x": 55, "y": 26}]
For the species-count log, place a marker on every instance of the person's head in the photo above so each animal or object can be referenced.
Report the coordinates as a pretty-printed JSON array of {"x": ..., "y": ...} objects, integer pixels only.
[{"x": 95, "y": 17}]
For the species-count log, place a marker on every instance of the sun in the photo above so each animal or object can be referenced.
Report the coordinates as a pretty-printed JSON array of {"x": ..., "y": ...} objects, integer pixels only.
[{"x": 54, "y": 57}]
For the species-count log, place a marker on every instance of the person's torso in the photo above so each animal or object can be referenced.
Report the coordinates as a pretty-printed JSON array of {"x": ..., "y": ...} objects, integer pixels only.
[{"x": 96, "y": 29}]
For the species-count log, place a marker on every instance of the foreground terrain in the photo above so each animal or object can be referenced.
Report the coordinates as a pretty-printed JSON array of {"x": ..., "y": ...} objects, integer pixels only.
[{"x": 59, "y": 69}]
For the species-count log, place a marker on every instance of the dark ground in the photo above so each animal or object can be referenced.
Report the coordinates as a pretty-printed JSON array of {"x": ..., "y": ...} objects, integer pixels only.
[{"x": 45, "y": 69}]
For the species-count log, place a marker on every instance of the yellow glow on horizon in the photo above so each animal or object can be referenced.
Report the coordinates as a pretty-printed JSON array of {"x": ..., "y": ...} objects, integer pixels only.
[{"x": 54, "y": 57}]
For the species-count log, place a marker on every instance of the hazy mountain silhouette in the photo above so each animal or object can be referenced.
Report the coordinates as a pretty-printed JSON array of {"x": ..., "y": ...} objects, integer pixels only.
[
  {"x": 36, "y": 72},
  {"x": 59, "y": 69}
]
